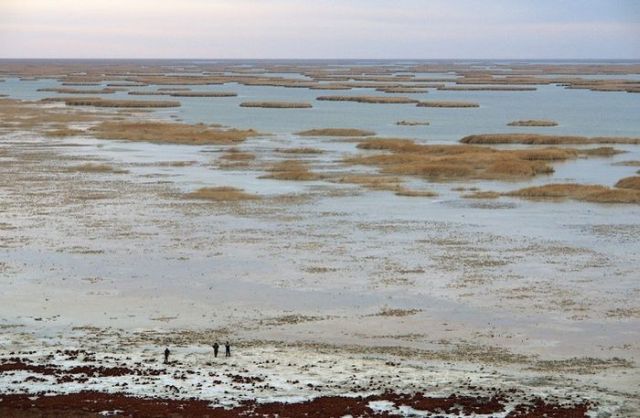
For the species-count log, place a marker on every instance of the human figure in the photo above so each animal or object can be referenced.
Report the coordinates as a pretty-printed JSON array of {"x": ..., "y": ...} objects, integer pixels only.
[
  {"x": 215, "y": 349},
  {"x": 166, "y": 355},
  {"x": 227, "y": 349}
]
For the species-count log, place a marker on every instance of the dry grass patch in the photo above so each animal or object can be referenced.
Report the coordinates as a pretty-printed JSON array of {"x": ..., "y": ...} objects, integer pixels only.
[
  {"x": 337, "y": 132},
  {"x": 277, "y": 105},
  {"x": 291, "y": 170},
  {"x": 202, "y": 94},
  {"x": 412, "y": 123},
  {"x": 97, "y": 102},
  {"x": 221, "y": 194},
  {"x": 369, "y": 99},
  {"x": 533, "y": 122},
  {"x": 455, "y": 162},
  {"x": 587, "y": 193},
  {"x": 372, "y": 181},
  {"x": 176, "y": 133},
  {"x": 629, "y": 183},
  {"x": 443, "y": 103},
  {"x": 63, "y": 90},
  {"x": 487, "y": 88},
  {"x": 301, "y": 150},
  {"x": 96, "y": 168},
  {"x": 415, "y": 193},
  {"x": 540, "y": 139},
  {"x": 403, "y": 90}
]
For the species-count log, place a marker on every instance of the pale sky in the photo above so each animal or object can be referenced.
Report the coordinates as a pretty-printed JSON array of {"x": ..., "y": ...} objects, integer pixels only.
[{"x": 320, "y": 29}]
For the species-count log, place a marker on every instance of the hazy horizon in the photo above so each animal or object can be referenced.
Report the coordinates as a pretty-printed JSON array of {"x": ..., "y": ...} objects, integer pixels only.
[{"x": 324, "y": 30}]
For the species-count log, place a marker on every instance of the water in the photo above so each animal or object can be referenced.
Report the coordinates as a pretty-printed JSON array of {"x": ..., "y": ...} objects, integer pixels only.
[{"x": 454, "y": 259}]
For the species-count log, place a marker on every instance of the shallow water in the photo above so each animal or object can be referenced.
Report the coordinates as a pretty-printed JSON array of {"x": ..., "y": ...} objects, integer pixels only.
[{"x": 456, "y": 260}]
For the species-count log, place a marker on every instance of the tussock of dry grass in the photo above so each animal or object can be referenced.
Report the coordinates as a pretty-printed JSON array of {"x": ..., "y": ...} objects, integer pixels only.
[
  {"x": 415, "y": 193},
  {"x": 301, "y": 150},
  {"x": 221, "y": 194},
  {"x": 63, "y": 90},
  {"x": 442, "y": 103},
  {"x": 487, "y": 88},
  {"x": 540, "y": 139},
  {"x": 533, "y": 122},
  {"x": 369, "y": 99},
  {"x": 629, "y": 183},
  {"x": 337, "y": 132},
  {"x": 403, "y": 90},
  {"x": 372, "y": 181},
  {"x": 600, "y": 152},
  {"x": 587, "y": 193},
  {"x": 97, "y": 102},
  {"x": 277, "y": 105},
  {"x": 95, "y": 168},
  {"x": 176, "y": 133},
  {"x": 291, "y": 170},
  {"x": 202, "y": 94},
  {"x": 412, "y": 123},
  {"x": 453, "y": 162},
  {"x": 236, "y": 155}
]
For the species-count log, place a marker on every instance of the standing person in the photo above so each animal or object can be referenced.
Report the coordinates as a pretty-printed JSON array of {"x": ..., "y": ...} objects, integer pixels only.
[
  {"x": 215, "y": 349},
  {"x": 166, "y": 355},
  {"x": 227, "y": 349}
]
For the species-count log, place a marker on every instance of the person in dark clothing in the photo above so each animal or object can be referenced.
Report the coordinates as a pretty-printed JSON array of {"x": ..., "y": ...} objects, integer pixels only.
[
  {"x": 215, "y": 349},
  {"x": 227, "y": 349},
  {"x": 166, "y": 355}
]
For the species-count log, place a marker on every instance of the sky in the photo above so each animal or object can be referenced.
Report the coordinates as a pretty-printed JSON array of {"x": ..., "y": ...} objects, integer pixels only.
[{"x": 394, "y": 29}]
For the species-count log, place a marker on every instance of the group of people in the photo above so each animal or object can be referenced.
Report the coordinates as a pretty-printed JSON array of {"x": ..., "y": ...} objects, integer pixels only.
[{"x": 216, "y": 347}]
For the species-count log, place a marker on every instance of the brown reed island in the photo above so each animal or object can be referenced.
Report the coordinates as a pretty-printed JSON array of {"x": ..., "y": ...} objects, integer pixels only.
[
  {"x": 534, "y": 122},
  {"x": 96, "y": 168},
  {"x": 412, "y": 123},
  {"x": 336, "y": 132},
  {"x": 369, "y": 99},
  {"x": 455, "y": 162},
  {"x": 167, "y": 132},
  {"x": 295, "y": 170},
  {"x": 629, "y": 183},
  {"x": 447, "y": 104},
  {"x": 277, "y": 105},
  {"x": 98, "y": 102},
  {"x": 540, "y": 139},
  {"x": 581, "y": 192},
  {"x": 221, "y": 194},
  {"x": 486, "y": 88}
]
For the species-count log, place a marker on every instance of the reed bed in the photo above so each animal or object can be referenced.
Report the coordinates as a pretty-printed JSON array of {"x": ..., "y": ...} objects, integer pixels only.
[
  {"x": 372, "y": 181},
  {"x": 369, "y": 99},
  {"x": 401, "y": 90},
  {"x": 63, "y": 90},
  {"x": 447, "y": 104},
  {"x": 581, "y": 192},
  {"x": 291, "y": 170},
  {"x": 629, "y": 183},
  {"x": 533, "y": 122},
  {"x": 96, "y": 168},
  {"x": 221, "y": 194},
  {"x": 631, "y": 163},
  {"x": 277, "y": 105},
  {"x": 540, "y": 139},
  {"x": 486, "y": 88},
  {"x": 98, "y": 102},
  {"x": 301, "y": 150},
  {"x": 165, "y": 132},
  {"x": 202, "y": 94},
  {"x": 456, "y": 162},
  {"x": 412, "y": 123},
  {"x": 415, "y": 193},
  {"x": 336, "y": 132},
  {"x": 62, "y": 132}
]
